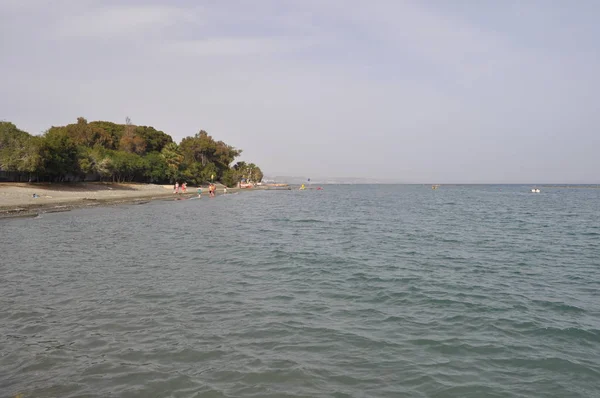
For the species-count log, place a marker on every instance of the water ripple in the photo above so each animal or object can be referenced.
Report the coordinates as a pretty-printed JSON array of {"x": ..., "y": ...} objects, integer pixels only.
[{"x": 380, "y": 291}]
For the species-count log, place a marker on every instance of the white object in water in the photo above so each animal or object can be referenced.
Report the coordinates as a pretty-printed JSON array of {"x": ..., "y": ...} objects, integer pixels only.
[{"x": 536, "y": 190}]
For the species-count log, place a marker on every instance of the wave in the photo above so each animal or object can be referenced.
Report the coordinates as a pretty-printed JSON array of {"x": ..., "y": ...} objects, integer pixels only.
[{"x": 559, "y": 306}]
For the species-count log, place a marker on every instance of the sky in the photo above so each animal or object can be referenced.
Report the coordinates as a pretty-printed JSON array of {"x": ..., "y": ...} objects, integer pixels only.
[{"x": 427, "y": 91}]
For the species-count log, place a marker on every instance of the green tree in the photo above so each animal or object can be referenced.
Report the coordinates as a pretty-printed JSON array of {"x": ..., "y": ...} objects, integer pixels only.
[
  {"x": 248, "y": 171},
  {"x": 113, "y": 130},
  {"x": 126, "y": 166},
  {"x": 31, "y": 160},
  {"x": 119, "y": 152},
  {"x": 155, "y": 140},
  {"x": 156, "y": 169},
  {"x": 85, "y": 134},
  {"x": 207, "y": 172},
  {"x": 256, "y": 175},
  {"x": 231, "y": 177},
  {"x": 224, "y": 155},
  {"x": 85, "y": 162},
  {"x": 19, "y": 151},
  {"x": 204, "y": 149},
  {"x": 13, "y": 146},
  {"x": 59, "y": 154},
  {"x": 198, "y": 148},
  {"x": 94, "y": 161},
  {"x": 174, "y": 159}
]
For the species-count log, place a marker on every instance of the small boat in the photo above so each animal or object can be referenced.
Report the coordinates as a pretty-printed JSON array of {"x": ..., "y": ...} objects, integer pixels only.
[
  {"x": 535, "y": 190},
  {"x": 435, "y": 186}
]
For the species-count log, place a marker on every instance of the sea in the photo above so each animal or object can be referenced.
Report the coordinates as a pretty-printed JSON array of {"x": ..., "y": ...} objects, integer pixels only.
[{"x": 349, "y": 291}]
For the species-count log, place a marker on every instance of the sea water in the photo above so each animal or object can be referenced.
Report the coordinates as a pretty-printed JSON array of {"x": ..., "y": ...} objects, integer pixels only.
[{"x": 352, "y": 291}]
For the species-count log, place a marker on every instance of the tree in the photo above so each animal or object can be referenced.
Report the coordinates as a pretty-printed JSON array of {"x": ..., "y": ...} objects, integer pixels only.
[
  {"x": 104, "y": 168},
  {"x": 112, "y": 130},
  {"x": 225, "y": 154},
  {"x": 94, "y": 161},
  {"x": 31, "y": 160},
  {"x": 206, "y": 147},
  {"x": 19, "y": 151},
  {"x": 173, "y": 158},
  {"x": 87, "y": 134},
  {"x": 204, "y": 157},
  {"x": 130, "y": 141},
  {"x": 119, "y": 152},
  {"x": 12, "y": 147},
  {"x": 208, "y": 172},
  {"x": 126, "y": 166},
  {"x": 199, "y": 148},
  {"x": 155, "y": 140},
  {"x": 156, "y": 169},
  {"x": 256, "y": 175},
  {"x": 59, "y": 154},
  {"x": 85, "y": 162},
  {"x": 248, "y": 171},
  {"x": 231, "y": 177}
]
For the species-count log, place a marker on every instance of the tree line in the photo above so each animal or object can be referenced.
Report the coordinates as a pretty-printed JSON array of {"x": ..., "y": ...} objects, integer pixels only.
[{"x": 107, "y": 151}]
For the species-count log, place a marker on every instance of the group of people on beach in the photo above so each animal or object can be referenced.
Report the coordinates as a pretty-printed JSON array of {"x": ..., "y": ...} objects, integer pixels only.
[
  {"x": 180, "y": 189},
  {"x": 212, "y": 189}
]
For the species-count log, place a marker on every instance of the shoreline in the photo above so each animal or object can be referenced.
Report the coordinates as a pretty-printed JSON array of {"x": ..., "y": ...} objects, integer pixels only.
[{"x": 16, "y": 199}]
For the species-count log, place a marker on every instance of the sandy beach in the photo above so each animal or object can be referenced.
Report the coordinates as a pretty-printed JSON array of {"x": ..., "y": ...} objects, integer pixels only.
[{"x": 16, "y": 199}]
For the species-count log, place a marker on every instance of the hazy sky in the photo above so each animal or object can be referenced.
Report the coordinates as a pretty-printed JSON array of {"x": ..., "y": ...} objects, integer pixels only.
[{"x": 416, "y": 91}]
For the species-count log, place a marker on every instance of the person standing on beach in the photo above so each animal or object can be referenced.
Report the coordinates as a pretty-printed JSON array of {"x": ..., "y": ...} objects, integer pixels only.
[
  {"x": 176, "y": 189},
  {"x": 184, "y": 187},
  {"x": 199, "y": 192}
]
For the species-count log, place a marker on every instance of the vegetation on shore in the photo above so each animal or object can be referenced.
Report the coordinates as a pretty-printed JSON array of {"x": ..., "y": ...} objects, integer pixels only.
[{"x": 106, "y": 151}]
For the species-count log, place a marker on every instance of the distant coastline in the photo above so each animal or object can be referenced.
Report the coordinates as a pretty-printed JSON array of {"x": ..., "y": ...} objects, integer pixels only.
[
  {"x": 298, "y": 180},
  {"x": 573, "y": 186}
]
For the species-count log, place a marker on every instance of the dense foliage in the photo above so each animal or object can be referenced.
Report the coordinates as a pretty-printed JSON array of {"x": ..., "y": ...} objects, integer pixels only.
[{"x": 108, "y": 151}]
